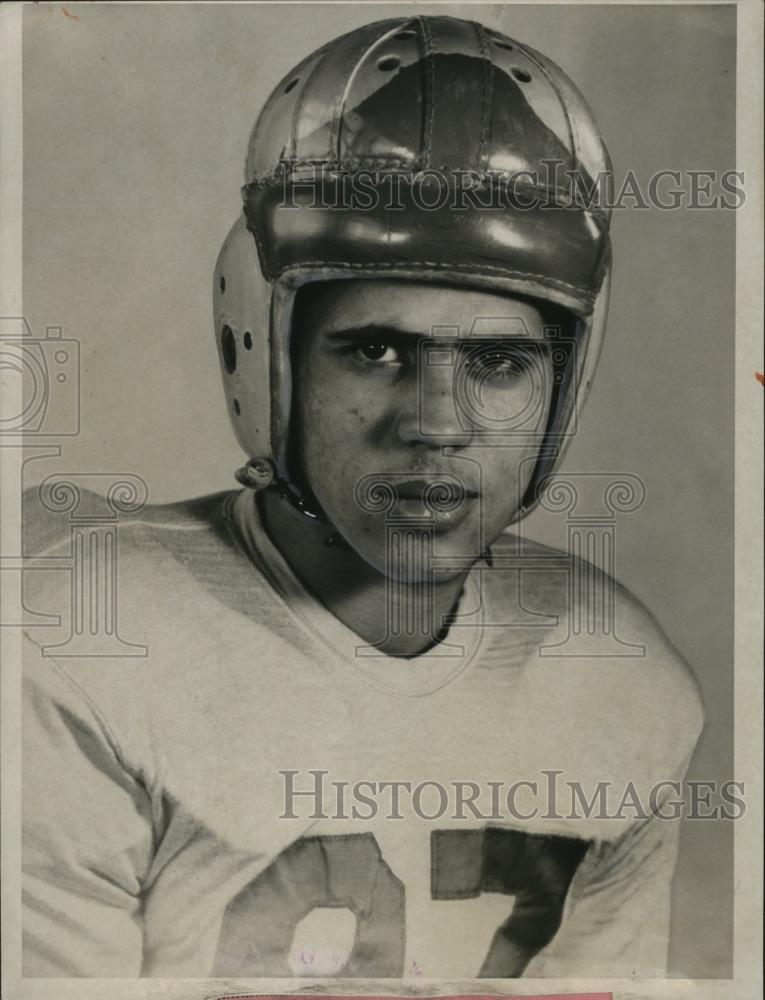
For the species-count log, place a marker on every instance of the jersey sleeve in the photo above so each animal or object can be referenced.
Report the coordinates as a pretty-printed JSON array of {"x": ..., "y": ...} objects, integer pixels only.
[
  {"x": 87, "y": 834},
  {"x": 618, "y": 917}
]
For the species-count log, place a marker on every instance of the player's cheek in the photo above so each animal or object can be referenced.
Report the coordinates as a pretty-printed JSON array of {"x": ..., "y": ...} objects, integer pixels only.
[
  {"x": 330, "y": 421},
  {"x": 501, "y": 480}
]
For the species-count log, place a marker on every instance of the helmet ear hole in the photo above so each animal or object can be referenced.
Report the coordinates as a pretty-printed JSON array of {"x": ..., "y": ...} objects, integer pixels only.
[{"x": 228, "y": 349}]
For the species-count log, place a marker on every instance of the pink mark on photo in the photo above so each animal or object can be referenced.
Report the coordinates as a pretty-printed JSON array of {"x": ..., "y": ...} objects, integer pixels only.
[{"x": 461, "y": 996}]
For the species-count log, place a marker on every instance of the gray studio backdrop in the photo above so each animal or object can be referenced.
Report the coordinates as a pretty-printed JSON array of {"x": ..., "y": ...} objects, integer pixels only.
[{"x": 135, "y": 127}]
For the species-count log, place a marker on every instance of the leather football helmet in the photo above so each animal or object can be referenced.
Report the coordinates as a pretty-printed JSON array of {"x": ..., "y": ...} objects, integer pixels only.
[{"x": 393, "y": 107}]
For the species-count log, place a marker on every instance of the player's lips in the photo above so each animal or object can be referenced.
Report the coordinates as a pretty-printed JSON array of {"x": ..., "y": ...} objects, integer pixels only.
[
  {"x": 444, "y": 504},
  {"x": 434, "y": 492}
]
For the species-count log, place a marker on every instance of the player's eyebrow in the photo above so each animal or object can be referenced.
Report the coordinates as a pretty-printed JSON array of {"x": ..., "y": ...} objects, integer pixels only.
[
  {"x": 388, "y": 331},
  {"x": 371, "y": 331}
]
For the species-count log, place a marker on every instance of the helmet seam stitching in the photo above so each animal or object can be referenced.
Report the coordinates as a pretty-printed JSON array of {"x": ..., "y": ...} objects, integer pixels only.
[
  {"x": 487, "y": 94},
  {"x": 300, "y": 102},
  {"x": 572, "y": 133},
  {"x": 478, "y": 268},
  {"x": 335, "y": 124},
  {"x": 430, "y": 104}
]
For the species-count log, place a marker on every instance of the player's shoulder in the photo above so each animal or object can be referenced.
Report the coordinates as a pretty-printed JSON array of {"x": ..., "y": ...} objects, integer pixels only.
[
  {"x": 607, "y": 649},
  {"x": 663, "y": 674},
  {"x": 144, "y": 606},
  {"x": 148, "y": 551},
  {"x": 51, "y": 510}
]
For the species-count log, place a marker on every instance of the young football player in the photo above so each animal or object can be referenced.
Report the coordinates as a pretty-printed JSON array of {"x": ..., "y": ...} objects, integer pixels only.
[{"x": 344, "y": 748}]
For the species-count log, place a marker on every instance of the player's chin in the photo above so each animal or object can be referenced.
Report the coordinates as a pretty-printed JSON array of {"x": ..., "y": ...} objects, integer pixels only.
[
  {"x": 411, "y": 560},
  {"x": 450, "y": 555},
  {"x": 406, "y": 550}
]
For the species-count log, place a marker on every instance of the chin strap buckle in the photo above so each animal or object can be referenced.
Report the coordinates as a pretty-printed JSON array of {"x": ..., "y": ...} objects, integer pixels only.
[{"x": 257, "y": 474}]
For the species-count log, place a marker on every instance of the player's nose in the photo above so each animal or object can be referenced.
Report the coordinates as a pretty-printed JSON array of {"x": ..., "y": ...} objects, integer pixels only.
[{"x": 430, "y": 415}]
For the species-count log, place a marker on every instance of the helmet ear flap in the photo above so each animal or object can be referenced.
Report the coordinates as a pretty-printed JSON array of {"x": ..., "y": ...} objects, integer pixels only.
[
  {"x": 241, "y": 308},
  {"x": 253, "y": 324}
]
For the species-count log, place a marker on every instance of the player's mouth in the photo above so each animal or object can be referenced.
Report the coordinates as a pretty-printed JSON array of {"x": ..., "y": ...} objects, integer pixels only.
[
  {"x": 441, "y": 501},
  {"x": 437, "y": 491}
]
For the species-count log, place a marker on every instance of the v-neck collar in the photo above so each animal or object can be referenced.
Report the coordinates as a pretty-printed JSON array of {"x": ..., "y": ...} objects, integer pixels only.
[{"x": 407, "y": 676}]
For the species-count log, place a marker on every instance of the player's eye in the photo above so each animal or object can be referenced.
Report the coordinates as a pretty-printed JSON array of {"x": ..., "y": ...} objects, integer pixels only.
[
  {"x": 498, "y": 364},
  {"x": 381, "y": 352}
]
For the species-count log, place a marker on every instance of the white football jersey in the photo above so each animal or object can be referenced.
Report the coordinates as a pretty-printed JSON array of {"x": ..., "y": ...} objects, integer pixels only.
[{"x": 242, "y": 788}]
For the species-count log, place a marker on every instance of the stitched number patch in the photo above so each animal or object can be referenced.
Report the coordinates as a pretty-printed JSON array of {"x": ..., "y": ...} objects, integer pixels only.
[
  {"x": 536, "y": 870},
  {"x": 344, "y": 883},
  {"x": 345, "y": 873}
]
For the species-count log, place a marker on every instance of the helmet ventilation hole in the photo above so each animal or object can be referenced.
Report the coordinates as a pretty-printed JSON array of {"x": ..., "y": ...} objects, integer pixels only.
[
  {"x": 228, "y": 349},
  {"x": 222, "y": 284},
  {"x": 520, "y": 74},
  {"x": 237, "y": 407},
  {"x": 248, "y": 340},
  {"x": 291, "y": 85},
  {"x": 388, "y": 63},
  {"x": 502, "y": 44},
  {"x": 404, "y": 34}
]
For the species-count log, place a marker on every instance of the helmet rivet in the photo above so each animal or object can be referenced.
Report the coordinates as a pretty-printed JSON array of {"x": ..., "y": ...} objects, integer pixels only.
[
  {"x": 502, "y": 44},
  {"x": 222, "y": 284},
  {"x": 291, "y": 85},
  {"x": 237, "y": 407},
  {"x": 247, "y": 340},
  {"x": 520, "y": 74},
  {"x": 388, "y": 63}
]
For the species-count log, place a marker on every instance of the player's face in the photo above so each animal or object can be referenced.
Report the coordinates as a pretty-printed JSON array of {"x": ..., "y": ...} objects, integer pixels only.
[{"x": 419, "y": 407}]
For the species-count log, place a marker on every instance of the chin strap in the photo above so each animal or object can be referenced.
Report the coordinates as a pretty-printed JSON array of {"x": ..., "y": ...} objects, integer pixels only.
[{"x": 258, "y": 474}]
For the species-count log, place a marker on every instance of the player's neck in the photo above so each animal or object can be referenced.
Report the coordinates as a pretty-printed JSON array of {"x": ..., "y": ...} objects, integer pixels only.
[{"x": 352, "y": 590}]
